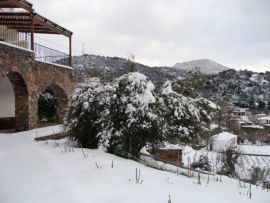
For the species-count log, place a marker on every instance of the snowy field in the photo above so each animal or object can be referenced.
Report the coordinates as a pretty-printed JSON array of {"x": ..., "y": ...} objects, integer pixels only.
[
  {"x": 52, "y": 172},
  {"x": 253, "y": 149}
]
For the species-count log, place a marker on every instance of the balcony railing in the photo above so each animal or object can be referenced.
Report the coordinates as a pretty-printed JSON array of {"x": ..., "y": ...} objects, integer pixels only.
[
  {"x": 46, "y": 54},
  {"x": 42, "y": 53}
]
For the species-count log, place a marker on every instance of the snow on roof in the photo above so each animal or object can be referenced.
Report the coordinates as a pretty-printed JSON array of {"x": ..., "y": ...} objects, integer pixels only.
[
  {"x": 213, "y": 126},
  {"x": 261, "y": 114},
  {"x": 253, "y": 126},
  {"x": 224, "y": 136},
  {"x": 245, "y": 122},
  {"x": 264, "y": 118}
]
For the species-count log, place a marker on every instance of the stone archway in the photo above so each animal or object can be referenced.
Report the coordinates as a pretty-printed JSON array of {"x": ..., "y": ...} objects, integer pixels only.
[
  {"x": 61, "y": 100},
  {"x": 28, "y": 79},
  {"x": 21, "y": 101}
]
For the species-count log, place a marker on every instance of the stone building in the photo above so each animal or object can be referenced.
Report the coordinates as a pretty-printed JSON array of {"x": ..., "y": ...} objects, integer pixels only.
[{"x": 28, "y": 68}]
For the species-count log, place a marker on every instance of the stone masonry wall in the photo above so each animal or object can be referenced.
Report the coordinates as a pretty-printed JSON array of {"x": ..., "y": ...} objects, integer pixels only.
[{"x": 37, "y": 76}]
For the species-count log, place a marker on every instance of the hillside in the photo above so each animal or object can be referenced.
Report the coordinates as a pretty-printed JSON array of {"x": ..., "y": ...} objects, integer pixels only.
[
  {"x": 116, "y": 67},
  {"x": 206, "y": 66},
  {"x": 242, "y": 88}
]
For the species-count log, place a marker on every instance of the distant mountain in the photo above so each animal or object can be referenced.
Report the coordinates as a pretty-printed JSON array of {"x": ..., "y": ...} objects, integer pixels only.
[
  {"x": 92, "y": 65},
  {"x": 206, "y": 66}
]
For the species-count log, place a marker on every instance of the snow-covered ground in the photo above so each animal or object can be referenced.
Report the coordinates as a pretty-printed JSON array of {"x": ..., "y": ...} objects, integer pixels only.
[
  {"x": 244, "y": 165},
  {"x": 46, "y": 172},
  {"x": 254, "y": 149}
]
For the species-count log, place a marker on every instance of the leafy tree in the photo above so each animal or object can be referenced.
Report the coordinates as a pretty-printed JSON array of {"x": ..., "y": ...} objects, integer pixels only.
[{"x": 47, "y": 106}]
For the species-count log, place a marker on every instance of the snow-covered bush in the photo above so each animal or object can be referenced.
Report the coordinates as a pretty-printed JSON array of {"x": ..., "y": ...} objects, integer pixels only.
[
  {"x": 86, "y": 105},
  {"x": 124, "y": 116},
  {"x": 131, "y": 120},
  {"x": 185, "y": 119},
  {"x": 229, "y": 160},
  {"x": 266, "y": 182},
  {"x": 203, "y": 163}
]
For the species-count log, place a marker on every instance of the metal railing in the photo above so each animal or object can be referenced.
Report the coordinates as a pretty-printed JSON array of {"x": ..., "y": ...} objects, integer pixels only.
[
  {"x": 50, "y": 55},
  {"x": 42, "y": 53}
]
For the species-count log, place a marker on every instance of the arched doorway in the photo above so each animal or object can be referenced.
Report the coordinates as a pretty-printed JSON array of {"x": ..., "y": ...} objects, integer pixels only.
[
  {"x": 14, "y": 102},
  {"x": 52, "y": 105}
]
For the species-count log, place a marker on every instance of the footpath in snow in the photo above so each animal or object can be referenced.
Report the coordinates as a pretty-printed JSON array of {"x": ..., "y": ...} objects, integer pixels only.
[{"x": 52, "y": 171}]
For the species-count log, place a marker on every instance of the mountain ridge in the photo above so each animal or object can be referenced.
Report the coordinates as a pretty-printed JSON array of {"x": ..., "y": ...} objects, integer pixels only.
[
  {"x": 116, "y": 67},
  {"x": 207, "y": 66}
]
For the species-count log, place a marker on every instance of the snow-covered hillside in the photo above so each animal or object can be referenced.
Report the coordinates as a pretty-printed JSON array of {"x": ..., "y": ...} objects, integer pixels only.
[
  {"x": 206, "y": 66},
  {"x": 87, "y": 65},
  {"x": 242, "y": 88},
  {"x": 53, "y": 172}
]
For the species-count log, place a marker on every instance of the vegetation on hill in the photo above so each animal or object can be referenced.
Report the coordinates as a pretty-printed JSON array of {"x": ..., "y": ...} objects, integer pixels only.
[
  {"x": 131, "y": 112},
  {"x": 241, "y": 88}
]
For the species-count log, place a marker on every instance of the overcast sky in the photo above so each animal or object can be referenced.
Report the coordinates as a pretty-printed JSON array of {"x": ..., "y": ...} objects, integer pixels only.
[{"x": 235, "y": 33}]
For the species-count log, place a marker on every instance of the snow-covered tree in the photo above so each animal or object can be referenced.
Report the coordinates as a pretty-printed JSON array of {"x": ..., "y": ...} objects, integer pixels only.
[
  {"x": 87, "y": 103},
  {"x": 125, "y": 116},
  {"x": 131, "y": 120},
  {"x": 186, "y": 119}
]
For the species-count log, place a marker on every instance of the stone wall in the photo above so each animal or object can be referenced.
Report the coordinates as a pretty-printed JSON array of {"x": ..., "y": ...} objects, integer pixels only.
[{"x": 29, "y": 78}]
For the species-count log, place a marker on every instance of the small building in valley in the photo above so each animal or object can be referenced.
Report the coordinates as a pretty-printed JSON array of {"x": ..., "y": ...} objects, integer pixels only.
[
  {"x": 240, "y": 112},
  {"x": 222, "y": 142}
]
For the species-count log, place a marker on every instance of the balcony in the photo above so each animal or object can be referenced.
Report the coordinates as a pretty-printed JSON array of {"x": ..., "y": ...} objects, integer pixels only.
[{"x": 19, "y": 24}]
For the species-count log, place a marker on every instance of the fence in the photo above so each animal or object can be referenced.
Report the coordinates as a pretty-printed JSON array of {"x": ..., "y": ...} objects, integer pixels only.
[
  {"x": 42, "y": 53},
  {"x": 176, "y": 165},
  {"x": 50, "y": 55}
]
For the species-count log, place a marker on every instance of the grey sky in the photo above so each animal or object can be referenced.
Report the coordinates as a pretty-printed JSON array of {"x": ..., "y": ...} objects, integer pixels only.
[{"x": 235, "y": 33}]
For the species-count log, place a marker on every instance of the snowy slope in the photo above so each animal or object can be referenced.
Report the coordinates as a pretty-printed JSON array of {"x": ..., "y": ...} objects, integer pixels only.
[
  {"x": 43, "y": 172},
  {"x": 116, "y": 67},
  {"x": 206, "y": 66}
]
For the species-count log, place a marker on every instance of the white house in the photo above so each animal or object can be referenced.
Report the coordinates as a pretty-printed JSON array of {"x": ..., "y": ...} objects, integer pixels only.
[{"x": 222, "y": 142}]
